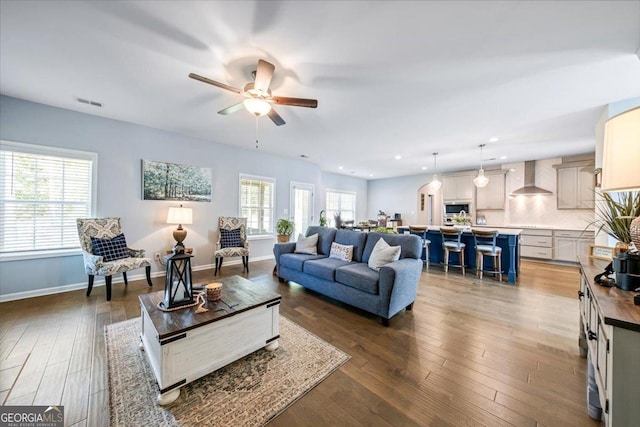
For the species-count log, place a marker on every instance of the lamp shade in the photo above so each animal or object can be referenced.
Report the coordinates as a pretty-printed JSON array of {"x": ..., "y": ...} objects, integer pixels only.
[
  {"x": 621, "y": 154},
  {"x": 180, "y": 215}
]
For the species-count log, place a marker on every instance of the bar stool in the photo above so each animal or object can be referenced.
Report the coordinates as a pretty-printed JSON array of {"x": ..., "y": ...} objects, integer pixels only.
[
  {"x": 485, "y": 245},
  {"x": 451, "y": 243},
  {"x": 422, "y": 232}
]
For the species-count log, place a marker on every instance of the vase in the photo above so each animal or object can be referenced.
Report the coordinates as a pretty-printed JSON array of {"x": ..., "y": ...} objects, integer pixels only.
[{"x": 634, "y": 231}]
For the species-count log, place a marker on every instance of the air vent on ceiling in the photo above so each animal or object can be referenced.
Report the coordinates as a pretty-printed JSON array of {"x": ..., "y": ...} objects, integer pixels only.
[{"x": 89, "y": 102}]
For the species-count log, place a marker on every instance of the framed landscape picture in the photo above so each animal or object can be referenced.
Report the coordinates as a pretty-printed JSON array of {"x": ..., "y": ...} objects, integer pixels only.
[{"x": 171, "y": 181}]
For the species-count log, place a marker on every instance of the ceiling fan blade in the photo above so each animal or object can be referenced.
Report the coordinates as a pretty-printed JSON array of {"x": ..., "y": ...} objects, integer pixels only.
[
  {"x": 264, "y": 73},
  {"x": 296, "y": 102},
  {"x": 215, "y": 83},
  {"x": 231, "y": 109},
  {"x": 275, "y": 117}
]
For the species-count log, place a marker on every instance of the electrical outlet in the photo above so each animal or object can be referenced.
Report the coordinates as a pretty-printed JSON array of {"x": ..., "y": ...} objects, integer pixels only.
[{"x": 156, "y": 256}]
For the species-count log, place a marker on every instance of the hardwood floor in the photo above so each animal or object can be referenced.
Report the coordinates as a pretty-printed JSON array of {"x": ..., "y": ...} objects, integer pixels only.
[{"x": 472, "y": 352}]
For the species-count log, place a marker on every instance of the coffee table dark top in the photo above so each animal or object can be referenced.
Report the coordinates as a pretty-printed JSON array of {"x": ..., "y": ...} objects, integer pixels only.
[{"x": 238, "y": 295}]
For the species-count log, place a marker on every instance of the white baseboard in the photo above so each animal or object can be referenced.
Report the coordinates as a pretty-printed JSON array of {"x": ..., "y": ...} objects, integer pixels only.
[{"x": 99, "y": 281}]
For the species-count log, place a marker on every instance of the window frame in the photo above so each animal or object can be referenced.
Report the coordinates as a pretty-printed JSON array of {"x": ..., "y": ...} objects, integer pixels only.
[
  {"x": 45, "y": 150},
  {"x": 272, "y": 182},
  {"x": 326, "y": 199}
]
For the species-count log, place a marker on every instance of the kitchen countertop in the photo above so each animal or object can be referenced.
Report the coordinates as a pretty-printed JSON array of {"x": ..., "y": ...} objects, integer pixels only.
[
  {"x": 501, "y": 230},
  {"x": 533, "y": 227}
]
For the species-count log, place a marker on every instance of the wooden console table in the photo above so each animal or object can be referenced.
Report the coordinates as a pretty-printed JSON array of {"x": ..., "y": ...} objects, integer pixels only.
[
  {"x": 611, "y": 333},
  {"x": 183, "y": 346}
]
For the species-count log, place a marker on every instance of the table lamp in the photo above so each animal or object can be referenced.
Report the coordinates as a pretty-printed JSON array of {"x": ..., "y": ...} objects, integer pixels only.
[
  {"x": 179, "y": 216},
  {"x": 621, "y": 172}
]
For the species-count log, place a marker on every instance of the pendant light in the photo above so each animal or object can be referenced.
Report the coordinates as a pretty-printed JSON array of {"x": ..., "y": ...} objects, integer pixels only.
[
  {"x": 481, "y": 180},
  {"x": 435, "y": 184}
]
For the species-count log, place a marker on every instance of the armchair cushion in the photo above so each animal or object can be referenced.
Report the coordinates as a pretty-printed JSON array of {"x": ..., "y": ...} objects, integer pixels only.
[
  {"x": 110, "y": 249},
  {"x": 230, "y": 238}
]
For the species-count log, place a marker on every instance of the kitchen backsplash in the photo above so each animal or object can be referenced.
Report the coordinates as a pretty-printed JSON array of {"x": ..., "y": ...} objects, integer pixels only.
[{"x": 536, "y": 210}]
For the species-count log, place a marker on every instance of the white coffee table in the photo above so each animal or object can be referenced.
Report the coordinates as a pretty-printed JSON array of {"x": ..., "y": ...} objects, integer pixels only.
[{"x": 183, "y": 346}]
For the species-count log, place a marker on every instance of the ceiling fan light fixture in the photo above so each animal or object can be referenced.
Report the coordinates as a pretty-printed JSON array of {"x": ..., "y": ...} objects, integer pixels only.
[{"x": 256, "y": 106}]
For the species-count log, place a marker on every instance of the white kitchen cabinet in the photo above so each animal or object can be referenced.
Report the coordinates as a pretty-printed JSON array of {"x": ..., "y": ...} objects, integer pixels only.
[
  {"x": 536, "y": 243},
  {"x": 457, "y": 188},
  {"x": 568, "y": 244},
  {"x": 492, "y": 196},
  {"x": 575, "y": 187}
]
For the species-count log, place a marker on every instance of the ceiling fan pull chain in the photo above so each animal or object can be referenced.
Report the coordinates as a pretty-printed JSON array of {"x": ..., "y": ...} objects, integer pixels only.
[{"x": 256, "y": 131}]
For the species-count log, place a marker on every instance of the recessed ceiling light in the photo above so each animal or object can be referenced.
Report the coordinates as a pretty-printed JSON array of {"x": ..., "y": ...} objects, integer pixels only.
[
  {"x": 370, "y": 174},
  {"x": 340, "y": 167},
  {"x": 424, "y": 168},
  {"x": 398, "y": 156},
  {"x": 503, "y": 157},
  {"x": 493, "y": 139}
]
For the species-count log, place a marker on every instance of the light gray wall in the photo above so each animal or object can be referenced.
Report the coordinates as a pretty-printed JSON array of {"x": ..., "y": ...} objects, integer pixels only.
[
  {"x": 121, "y": 147},
  {"x": 396, "y": 195}
]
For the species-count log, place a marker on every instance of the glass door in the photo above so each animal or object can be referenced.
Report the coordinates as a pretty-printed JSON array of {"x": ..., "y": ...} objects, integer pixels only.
[{"x": 301, "y": 206}]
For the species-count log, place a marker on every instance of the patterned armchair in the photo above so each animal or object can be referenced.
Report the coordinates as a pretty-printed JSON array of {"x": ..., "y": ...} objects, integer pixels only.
[
  {"x": 232, "y": 241},
  {"x": 105, "y": 251}
]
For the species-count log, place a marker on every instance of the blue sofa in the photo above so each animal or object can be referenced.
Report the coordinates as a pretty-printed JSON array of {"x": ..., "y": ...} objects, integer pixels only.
[{"x": 383, "y": 292}]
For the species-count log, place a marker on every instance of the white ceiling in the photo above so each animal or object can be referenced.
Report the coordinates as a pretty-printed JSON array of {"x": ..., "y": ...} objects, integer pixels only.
[{"x": 391, "y": 78}]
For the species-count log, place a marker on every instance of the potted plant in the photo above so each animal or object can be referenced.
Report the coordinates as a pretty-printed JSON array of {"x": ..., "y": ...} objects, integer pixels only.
[
  {"x": 285, "y": 229},
  {"x": 337, "y": 219},
  {"x": 323, "y": 219},
  {"x": 614, "y": 216}
]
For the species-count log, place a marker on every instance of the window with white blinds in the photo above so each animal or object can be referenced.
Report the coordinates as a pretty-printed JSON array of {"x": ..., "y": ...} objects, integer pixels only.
[
  {"x": 257, "y": 204},
  {"x": 42, "y": 192},
  {"x": 342, "y": 203}
]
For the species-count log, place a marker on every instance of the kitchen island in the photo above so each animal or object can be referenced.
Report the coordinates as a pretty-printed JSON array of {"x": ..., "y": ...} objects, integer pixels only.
[{"x": 508, "y": 240}]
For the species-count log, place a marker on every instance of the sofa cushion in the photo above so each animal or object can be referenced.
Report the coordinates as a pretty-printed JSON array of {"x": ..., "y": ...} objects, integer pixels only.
[
  {"x": 324, "y": 268},
  {"x": 358, "y": 276},
  {"x": 295, "y": 261},
  {"x": 307, "y": 245},
  {"x": 341, "y": 252},
  {"x": 326, "y": 236},
  {"x": 411, "y": 245},
  {"x": 383, "y": 254},
  {"x": 355, "y": 238}
]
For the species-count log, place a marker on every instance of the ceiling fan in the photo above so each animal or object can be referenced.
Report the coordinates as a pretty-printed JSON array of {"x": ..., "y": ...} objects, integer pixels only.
[{"x": 258, "y": 99}]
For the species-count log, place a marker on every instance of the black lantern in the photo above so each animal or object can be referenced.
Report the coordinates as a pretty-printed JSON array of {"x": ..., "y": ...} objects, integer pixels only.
[{"x": 177, "y": 283}]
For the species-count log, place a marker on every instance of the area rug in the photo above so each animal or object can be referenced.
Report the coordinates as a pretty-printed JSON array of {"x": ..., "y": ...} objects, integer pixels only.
[{"x": 248, "y": 392}]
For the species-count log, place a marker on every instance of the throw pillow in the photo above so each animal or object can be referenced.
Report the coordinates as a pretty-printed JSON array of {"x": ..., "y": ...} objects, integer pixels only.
[
  {"x": 342, "y": 252},
  {"x": 110, "y": 249},
  {"x": 230, "y": 238},
  {"x": 307, "y": 245},
  {"x": 383, "y": 254}
]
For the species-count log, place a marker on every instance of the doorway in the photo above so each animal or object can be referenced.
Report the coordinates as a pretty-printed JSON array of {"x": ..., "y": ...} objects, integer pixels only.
[{"x": 301, "y": 206}]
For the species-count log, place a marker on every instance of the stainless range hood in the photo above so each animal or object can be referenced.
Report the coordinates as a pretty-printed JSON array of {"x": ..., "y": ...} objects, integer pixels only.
[{"x": 530, "y": 188}]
